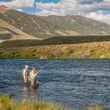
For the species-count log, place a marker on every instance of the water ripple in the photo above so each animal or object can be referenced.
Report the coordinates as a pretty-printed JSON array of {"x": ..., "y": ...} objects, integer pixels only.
[{"x": 77, "y": 83}]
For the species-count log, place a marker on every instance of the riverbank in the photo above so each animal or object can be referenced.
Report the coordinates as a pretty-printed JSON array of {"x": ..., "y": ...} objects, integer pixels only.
[
  {"x": 95, "y": 50},
  {"x": 7, "y": 103}
]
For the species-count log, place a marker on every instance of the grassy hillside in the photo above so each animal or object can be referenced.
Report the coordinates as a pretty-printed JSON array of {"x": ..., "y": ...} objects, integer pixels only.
[
  {"x": 9, "y": 32},
  {"x": 51, "y": 26}
]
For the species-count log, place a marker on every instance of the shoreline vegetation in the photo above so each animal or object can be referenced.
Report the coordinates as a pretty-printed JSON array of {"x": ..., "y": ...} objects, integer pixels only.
[
  {"x": 7, "y": 103},
  {"x": 30, "y": 49}
]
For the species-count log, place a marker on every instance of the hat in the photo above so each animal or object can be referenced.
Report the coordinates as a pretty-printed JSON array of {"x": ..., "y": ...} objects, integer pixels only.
[{"x": 26, "y": 66}]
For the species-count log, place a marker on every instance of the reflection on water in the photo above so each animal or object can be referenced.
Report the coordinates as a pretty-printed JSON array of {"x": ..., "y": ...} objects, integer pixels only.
[
  {"x": 76, "y": 83},
  {"x": 25, "y": 92},
  {"x": 29, "y": 93}
]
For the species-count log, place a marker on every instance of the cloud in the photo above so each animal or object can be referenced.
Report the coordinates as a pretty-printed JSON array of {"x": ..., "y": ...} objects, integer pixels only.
[
  {"x": 68, "y": 6},
  {"x": 84, "y": 6},
  {"x": 18, "y": 3},
  {"x": 88, "y": 8},
  {"x": 49, "y": 5},
  {"x": 72, "y": 7},
  {"x": 47, "y": 12},
  {"x": 99, "y": 17}
]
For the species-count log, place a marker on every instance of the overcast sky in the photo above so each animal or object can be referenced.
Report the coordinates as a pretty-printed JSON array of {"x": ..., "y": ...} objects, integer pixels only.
[{"x": 96, "y": 9}]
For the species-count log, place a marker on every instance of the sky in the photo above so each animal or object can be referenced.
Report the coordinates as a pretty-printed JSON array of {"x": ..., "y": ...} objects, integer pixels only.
[{"x": 95, "y": 9}]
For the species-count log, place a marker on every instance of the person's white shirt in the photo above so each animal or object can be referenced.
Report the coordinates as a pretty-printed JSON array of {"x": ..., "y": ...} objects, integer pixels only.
[{"x": 25, "y": 74}]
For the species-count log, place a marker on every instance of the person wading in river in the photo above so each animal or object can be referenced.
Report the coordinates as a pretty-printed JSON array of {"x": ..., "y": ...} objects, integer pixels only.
[
  {"x": 33, "y": 77},
  {"x": 26, "y": 74}
]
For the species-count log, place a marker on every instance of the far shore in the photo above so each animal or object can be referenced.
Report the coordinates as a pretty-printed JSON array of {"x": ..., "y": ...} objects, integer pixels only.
[{"x": 96, "y": 50}]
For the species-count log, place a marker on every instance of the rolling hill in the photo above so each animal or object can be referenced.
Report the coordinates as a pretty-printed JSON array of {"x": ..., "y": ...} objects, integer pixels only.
[{"x": 44, "y": 27}]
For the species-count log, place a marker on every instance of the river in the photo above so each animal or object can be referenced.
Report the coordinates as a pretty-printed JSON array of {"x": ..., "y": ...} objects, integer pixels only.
[{"x": 75, "y": 83}]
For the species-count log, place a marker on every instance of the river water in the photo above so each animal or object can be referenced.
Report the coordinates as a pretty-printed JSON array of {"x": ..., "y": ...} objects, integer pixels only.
[{"x": 75, "y": 83}]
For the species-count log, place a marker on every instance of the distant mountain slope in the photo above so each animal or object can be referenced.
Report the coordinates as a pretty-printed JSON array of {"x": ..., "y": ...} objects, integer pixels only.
[
  {"x": 53, "y": 26},
  {"x": 9, "y": 32}
]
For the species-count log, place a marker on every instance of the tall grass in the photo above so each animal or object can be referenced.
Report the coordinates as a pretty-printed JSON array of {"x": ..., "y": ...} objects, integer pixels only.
[{"x": 7, "y": 103}]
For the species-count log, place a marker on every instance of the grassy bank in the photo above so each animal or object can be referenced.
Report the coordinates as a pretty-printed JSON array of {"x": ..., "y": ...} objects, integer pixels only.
[
  {"x": 6, "y": 103},
  {"x": 95, "y": 50}
]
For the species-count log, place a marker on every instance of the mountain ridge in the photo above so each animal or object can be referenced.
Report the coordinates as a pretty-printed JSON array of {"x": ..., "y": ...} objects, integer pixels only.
[{"x": 45, "y": 27}]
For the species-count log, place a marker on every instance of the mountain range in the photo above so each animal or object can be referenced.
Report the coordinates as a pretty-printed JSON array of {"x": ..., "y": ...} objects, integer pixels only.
[{"x": 23, "y": 26}]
